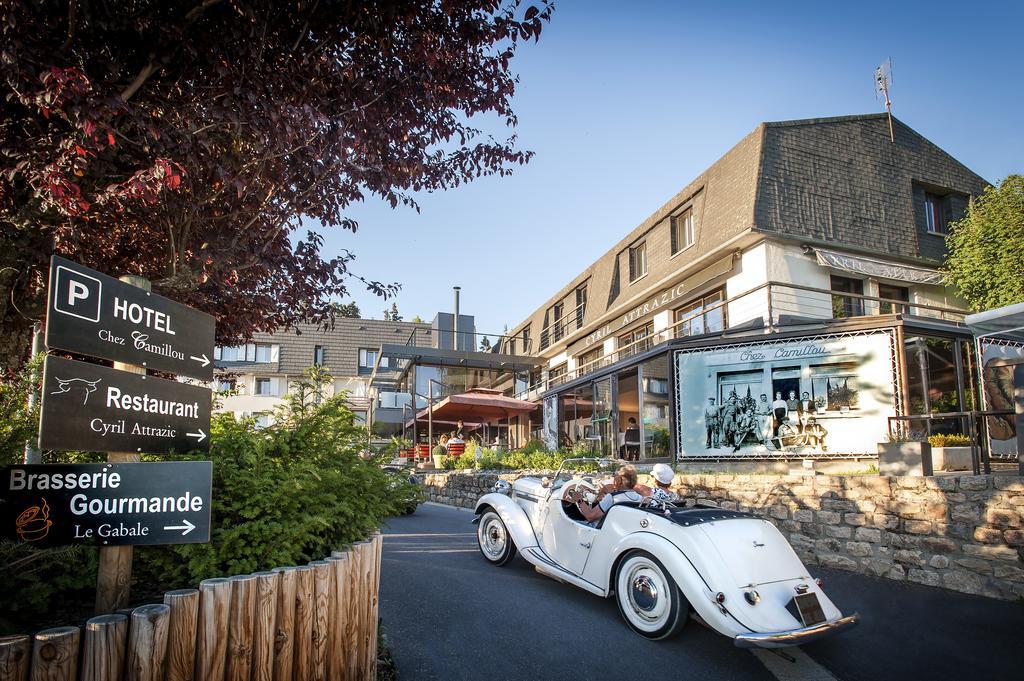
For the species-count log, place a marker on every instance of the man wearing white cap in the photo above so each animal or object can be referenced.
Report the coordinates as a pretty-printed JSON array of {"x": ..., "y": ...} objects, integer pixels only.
[{"x": 663, "y": 475}]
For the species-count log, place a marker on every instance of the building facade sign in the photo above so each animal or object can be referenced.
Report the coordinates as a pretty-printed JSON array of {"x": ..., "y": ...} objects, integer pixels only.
[
  {"x": 99, "y": 409},
  {"x": 107, "y": 504},
  {"x": 93, "y": 314},
  {"x": 800, "y": 398}
]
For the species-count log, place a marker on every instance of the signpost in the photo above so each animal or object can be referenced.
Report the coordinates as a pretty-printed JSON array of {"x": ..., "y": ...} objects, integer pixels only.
[
  {"x": 99, "y": 409},
  {"x": 121, "y": 411},
  {"x": 93, "y": 314},
  {"x": 107, "y": 504}
]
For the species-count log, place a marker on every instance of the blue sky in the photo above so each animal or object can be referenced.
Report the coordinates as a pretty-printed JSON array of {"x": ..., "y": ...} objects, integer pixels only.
[{"x": 625, "y": 103}]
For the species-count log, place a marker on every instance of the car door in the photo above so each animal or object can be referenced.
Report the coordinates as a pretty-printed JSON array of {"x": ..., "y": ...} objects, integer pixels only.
[{"x": 565, "y": 540}]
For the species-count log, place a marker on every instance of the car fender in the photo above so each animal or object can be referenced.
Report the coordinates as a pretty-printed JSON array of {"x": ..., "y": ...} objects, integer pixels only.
[
  {"x": 514, "y": 517},
  {"x": 694, "y": 587}
]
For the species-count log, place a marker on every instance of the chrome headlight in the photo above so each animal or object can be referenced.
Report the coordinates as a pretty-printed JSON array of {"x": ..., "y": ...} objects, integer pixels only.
[{"x": 502, "y": 487}]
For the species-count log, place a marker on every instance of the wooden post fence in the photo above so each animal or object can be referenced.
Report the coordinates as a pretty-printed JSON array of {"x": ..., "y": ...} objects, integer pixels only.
[{"x": 315, "y": 622}]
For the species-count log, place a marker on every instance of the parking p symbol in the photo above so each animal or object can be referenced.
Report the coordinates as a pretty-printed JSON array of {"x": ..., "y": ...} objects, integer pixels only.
[{"x": 77, "y": 294}]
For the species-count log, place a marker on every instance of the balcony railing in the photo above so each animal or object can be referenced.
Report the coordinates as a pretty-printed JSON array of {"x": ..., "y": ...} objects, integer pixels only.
[{"x": 770, "y": 307}]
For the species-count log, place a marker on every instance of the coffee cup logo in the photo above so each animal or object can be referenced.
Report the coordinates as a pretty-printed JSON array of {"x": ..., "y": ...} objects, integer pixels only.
[{"x": 34, "y": 522}]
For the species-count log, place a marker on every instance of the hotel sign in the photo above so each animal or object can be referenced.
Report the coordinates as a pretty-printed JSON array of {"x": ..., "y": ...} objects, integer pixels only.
[
  {"x": 796, "y": 352},
  {"x": 99, "y": 409},
  {"x": 93, "y": 314},
  {"x": 107, "y": 504}
]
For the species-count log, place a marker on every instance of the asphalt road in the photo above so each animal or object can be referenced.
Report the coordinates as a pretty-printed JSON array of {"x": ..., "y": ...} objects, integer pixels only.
[{"x": 450, "y": 615}]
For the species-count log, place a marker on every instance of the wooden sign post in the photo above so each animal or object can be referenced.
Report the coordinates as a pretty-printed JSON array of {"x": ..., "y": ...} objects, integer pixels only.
[{"x": 114, "y": 577}]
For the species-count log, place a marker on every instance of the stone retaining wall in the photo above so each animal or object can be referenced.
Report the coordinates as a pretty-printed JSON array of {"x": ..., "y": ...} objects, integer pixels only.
[{"x": 962, "y": 533}]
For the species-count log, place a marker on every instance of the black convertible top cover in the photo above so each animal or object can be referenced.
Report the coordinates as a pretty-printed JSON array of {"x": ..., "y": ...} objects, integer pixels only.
[{"x": 696, "y": 515}]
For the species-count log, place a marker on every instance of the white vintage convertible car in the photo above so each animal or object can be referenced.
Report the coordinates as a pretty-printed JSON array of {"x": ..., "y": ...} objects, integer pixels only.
[{"x": 736, "y": 572}]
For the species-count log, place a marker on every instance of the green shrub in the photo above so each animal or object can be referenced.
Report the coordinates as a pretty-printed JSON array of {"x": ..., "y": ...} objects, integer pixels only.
[
  {"x": 281, "y": 496},
  {"x": 951, "y": 440},
  {"x": 534, "y": 446}
]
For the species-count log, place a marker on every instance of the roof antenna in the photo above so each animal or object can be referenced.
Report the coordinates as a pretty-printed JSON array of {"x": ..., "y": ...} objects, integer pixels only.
[{"x": 883, "y": 79}]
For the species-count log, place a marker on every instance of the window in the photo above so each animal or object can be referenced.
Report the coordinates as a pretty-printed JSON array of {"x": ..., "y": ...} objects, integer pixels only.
[
  {"x": 581, "y": 305},
  {"x": 526, "y": 340},
  {"x": 936, "y": 213},
  {"x": 318, "y": 355},
  {"x": 589, "y": 361},
  {"x": 641, "y": 336},
  {"x": 225, "y": 385},
  {"x": 557, "y": 374},
  {"x": 638, "y": 261},
  {"x": 359, "y": 418},
  {"x": 703, "y": 315},
  {"x": 834, "y": 387},
  {"x": 845, "y": 305},
  {"x": 683, "y": 235},
  {"x": 367, "y": 358},
  {"x": 263, "y": 353},
  {"x": 266, "y": 386},
  {"x": 251, "y": 352},
  {"x": 558, "y": 323},
  {"x": 230, "y": 354},
  {"x": 893, "y": 293},
  {"x": 264, "y": 419}
]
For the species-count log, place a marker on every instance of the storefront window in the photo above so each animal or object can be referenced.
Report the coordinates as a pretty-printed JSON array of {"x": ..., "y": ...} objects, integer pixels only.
[
  {"x": 655, "y": 407},
  {"x": 602, "y": 419}
]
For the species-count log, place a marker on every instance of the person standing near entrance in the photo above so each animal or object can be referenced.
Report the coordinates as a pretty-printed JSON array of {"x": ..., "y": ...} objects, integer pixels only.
[
  {"x": 764, "y": 419},
  {"x": 631, "y": 440},
  {"x": 793, "y": 409},
  {"x": 806, "y": 410},
  {"x": 780, "y": 410},
  {"x": 730, "y": 420},
  {"x": 711, "y": 424}
]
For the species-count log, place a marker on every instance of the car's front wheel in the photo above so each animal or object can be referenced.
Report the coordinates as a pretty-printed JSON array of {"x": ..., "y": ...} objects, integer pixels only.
[
  {"x": 494, "y": 540},
  {"x": 648, "y": 598}
]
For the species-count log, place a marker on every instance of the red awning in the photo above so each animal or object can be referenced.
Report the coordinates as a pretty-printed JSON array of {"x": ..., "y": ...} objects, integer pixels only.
[{"x": 478, "y": 405}]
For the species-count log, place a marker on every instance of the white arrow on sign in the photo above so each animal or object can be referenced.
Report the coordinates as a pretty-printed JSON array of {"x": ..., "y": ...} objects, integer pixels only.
[
  {"x": 200, "y": 436},
  {"x": 188, "y": 527},
  {"x": 203, "y": 361}
]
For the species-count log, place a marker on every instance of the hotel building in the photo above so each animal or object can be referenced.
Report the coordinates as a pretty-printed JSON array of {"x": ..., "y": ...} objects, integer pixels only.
[{"x": 784, "y": 304}]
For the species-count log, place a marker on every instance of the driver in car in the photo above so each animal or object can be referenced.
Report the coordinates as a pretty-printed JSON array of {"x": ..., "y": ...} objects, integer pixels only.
[{"x": 622, "y": 489}]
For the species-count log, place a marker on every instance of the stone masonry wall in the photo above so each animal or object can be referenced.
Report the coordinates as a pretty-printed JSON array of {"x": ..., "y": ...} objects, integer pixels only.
[{"x": 962, "y": 533}]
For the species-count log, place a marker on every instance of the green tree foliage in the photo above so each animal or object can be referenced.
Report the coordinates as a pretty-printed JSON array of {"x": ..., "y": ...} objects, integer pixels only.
[
  {"x": 986, "y": 248},
  {"x": 17, "y": 423},
  {"x": 350, "y": 310},
  {"x": 190, "y": 141}
]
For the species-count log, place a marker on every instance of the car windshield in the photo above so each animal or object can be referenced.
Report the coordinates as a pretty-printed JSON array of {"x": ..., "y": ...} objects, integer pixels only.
[{"x": 572, "y": 469}]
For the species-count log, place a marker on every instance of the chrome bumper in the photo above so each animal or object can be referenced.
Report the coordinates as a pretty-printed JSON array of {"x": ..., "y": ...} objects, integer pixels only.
[{"x": 796, "y": 637}]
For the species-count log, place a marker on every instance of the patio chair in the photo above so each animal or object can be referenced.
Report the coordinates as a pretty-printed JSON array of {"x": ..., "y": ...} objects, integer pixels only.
[{"x": 456, "y": 449}]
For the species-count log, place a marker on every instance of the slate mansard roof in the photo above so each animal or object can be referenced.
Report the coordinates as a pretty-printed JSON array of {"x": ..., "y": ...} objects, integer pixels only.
[{"x": 838, "y": 181}]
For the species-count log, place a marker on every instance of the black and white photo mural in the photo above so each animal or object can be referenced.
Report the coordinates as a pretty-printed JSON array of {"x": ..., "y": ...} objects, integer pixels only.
[
  {"x": 998, "y": 359},
  {"x": 803, "y": 397}
]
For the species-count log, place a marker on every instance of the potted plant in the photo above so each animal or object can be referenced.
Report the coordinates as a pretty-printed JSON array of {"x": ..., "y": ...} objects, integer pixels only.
[
  {"x": 439, "y": 453},
  {"x": 905, "y": 453},
  {"x": 951, "y": 452},
  {"x": 819, "y": 404}
]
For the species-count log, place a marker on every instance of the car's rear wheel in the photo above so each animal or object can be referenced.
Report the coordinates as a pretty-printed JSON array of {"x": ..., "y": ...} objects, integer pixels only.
[
  {"x": 648, "y": 598},
  {"x": 494, "y": 540}
]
